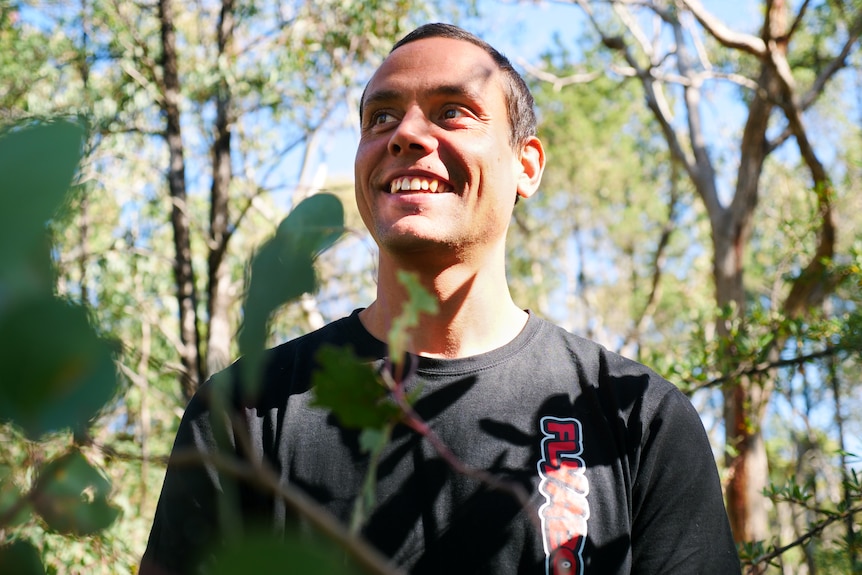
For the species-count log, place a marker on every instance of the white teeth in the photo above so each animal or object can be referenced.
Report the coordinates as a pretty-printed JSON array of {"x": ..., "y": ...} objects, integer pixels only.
[{"x": 414, "y": 185}]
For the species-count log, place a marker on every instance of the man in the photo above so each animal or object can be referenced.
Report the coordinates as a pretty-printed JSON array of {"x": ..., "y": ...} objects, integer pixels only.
[{"x": 615, "y": 460}]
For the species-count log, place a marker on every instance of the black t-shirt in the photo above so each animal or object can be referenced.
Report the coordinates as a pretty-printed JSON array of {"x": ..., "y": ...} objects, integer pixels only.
[{"x": 535, "y": 412}]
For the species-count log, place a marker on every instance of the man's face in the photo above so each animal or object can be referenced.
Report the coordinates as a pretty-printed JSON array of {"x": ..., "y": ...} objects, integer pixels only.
[{"x": 435, "y": 169}]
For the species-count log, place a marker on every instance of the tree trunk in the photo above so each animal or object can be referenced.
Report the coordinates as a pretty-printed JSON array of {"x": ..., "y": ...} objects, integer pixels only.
[
  {"x": 183, "y": 271},
  {"x": 218, "y": 297},
  {"x": 744, "y": 399}
]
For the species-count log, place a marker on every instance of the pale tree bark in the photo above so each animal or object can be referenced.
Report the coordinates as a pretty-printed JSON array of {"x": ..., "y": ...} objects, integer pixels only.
[
  {"x": 183, "y": 272},
  {"x": 218, "y": 295},
  {"x": 851, "y": 534},
  {"x": 84, "y": 208},
  {"x": 746, "y": 398},
  {"x": 145, "y": 427}
]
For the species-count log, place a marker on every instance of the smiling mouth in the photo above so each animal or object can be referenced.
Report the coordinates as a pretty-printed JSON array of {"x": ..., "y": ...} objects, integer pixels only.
[{"x": 416, "y": 184}]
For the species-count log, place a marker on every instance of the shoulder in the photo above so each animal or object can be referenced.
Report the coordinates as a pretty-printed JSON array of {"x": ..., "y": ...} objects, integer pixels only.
[
  {"x": 593, "y": 360},
  {"x": 618, "y": 383}
]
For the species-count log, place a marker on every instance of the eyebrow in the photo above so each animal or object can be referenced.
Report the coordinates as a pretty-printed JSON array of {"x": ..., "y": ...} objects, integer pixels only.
[{"x": 386, "y": 96}]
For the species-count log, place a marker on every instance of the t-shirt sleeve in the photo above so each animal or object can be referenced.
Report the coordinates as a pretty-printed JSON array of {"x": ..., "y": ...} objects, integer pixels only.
[
  {"x": 680, "y": 524},
  {"x": 186, "y": 515}
]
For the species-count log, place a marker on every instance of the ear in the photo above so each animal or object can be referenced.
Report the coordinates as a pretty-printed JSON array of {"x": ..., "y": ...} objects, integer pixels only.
[{"x": 532, "y": 160}]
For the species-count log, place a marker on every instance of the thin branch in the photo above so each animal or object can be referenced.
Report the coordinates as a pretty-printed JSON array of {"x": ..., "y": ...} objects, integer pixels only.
[
  {"x": 634, "y": 28},
  {"x": 654, "y": 96},
  {"x": 797, "y": 21},
  {"x": 142, "y": 82},
  {"x": 702, "y": 172},
  {"x": 737, "y": 79},
  {"x": 280, "y": 155},
  {"x": 558, "y": 82},
  {"x": 778, "y": 140},
  {"x": 261, "y": 189},
  {"x": 687, "y": 24},
  {"x": 132, "y": 28},
  {"x": 417, "y": 424},
  {"x": 810, "y": 287},
  {"x": 836, "y": 64},
  {"x": 778, "y": 551},
  {"x": 261, "y": 476},
  {"x": 696, "y": 78},
  {"x": 725, "y": 36},
  {"x": 764, "y": 367},
  {"x": 657, "y": 264}
]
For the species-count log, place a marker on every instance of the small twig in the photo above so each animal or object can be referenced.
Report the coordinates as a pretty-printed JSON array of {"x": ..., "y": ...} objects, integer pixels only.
[
  {"x": 778, "y": 551},
  {"x": 763, "y": 367},
  {"x": 559, "y": 82},
  {"x": 263, "y": 477},
  {"x": 416, "y": 423}
]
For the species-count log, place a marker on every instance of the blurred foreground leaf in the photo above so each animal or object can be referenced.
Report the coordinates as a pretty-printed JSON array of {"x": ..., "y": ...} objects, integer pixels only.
[
  {"x": 283, "y": 270},
  {"x": 419, "y": 301},
  {"x": 265, "y": 555},
  {"x": 55, "y": 372},
  {"x": 21, "y": 558},
  {"x": 72, "y": 496},
  {"x": 372, "y": 442},
  {"x": 10, "y": 498},
  {"x": 358, "y": 397},
  {"x": 352, "y": 390},
  {"x": 37, "y": 162}
]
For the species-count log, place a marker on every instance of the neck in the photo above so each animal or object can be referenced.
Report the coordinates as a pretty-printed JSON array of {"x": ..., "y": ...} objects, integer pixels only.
[{"x": 475, "y": 314}]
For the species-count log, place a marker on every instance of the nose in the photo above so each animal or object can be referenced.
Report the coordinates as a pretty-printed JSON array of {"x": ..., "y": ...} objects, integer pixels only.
[{"x": 413, "y": 134}]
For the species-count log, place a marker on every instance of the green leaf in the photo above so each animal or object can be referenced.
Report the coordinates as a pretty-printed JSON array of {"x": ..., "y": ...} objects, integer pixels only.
[
  {"x": 37, "y": 161},
  {"x": 352, "y": 390},
  {"x": 265, "y": 554},
  {"x": 72, "y": 496},
  {"x": 10, "y": 497},
  {"x": 419, "y": 301},
  {"x": 21, "y": 558},
  {"x": 371, "y": 441},
  {"x": 283, "y": 270},
  {"x": 55, "y": 372}
]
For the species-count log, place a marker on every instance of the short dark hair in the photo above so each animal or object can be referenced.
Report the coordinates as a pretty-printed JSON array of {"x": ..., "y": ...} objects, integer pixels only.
[{"x": 519, "y": 100}]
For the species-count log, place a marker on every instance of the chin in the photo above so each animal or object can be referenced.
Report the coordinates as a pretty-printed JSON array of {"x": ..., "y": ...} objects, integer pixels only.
[{"x": 414, "y": 243}]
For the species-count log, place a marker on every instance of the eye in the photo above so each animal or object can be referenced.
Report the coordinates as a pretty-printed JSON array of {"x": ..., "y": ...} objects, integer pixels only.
[
  {"x": 381, "y": 118},
  {"x": 453, "y": 113}
]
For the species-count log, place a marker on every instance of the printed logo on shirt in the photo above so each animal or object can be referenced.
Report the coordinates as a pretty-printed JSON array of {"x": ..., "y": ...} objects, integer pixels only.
[{"x": 565, "y": 512}]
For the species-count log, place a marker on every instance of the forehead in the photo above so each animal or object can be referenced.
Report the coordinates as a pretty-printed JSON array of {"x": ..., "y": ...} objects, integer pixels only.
[{"x": 436, "y": 65}]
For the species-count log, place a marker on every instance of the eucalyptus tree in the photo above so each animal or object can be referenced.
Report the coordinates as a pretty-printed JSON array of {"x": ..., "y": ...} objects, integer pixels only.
[
  {"x": 205, "y": 124},
  {"x": 597, "y": 245},
  {"x": 678, "y": 52},
  {"x": 227, "y": 101},
  {"x": 289, "y": 65}
]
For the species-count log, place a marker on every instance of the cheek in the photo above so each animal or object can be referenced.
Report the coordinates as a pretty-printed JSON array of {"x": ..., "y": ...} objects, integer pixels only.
[
  {"x": 361, "y": 160},
  {"x": 369, "y": 150},
  {"x": 366, "y": 160}
]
